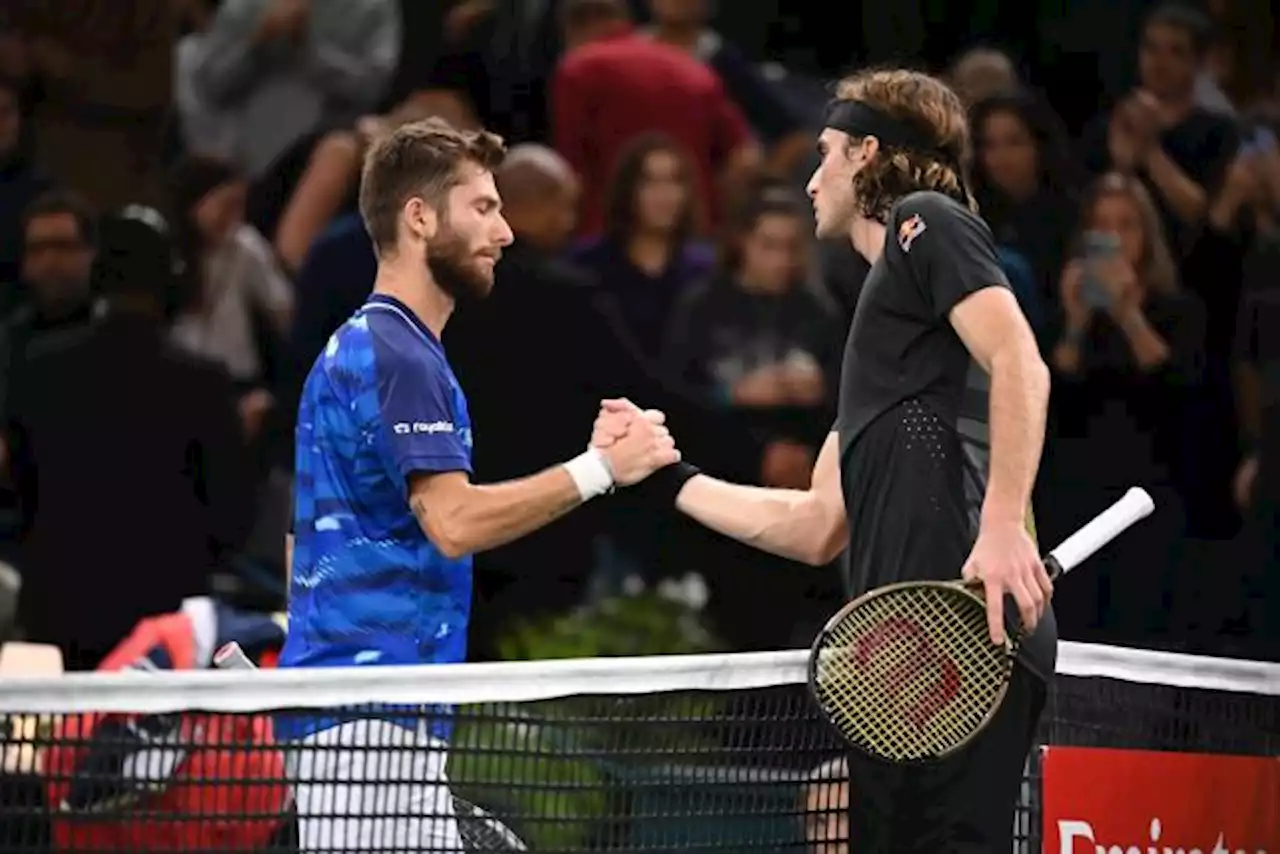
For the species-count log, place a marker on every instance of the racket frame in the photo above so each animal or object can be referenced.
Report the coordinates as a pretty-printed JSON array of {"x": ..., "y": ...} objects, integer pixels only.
[{"x": 820, "y": 644}]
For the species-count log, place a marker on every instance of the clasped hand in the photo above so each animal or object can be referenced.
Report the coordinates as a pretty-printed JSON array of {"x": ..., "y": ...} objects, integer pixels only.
[{"x": 636, "y": 442}]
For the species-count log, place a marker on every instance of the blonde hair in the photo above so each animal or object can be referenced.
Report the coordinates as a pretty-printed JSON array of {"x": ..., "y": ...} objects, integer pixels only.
[
  {"x": 928, "y": 106},
  {"x": 1157, "y": 270}
]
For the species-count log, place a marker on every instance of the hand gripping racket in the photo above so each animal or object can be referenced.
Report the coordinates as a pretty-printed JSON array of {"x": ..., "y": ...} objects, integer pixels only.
[{"x": 907, "y": 673}]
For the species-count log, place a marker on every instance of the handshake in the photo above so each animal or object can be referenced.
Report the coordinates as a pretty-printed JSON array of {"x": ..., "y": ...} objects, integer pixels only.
[{"x": 634, "y": 442}]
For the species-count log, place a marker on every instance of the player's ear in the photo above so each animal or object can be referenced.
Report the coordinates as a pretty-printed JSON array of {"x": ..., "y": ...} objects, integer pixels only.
[
  {"x": 420, "y": 218},
  {"x": 862, "y": 150}
]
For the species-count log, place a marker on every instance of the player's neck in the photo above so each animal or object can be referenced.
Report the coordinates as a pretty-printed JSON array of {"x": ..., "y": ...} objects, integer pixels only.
[
  {"x": 867, "y": 237},
  {"x": 413, "y": 285}
]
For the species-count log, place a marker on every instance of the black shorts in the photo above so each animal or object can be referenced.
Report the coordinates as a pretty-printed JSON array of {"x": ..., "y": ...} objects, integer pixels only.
[{"x": 962, "y": 805}]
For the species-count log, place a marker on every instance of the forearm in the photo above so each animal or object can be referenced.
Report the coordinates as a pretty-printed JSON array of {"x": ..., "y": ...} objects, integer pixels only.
[
  {"x": 1225, "y": 211},
  {"x": 1187, "y": 198},
  {"x": 492, "y": 515},
  {"x": 791, "y": 523},
  {"x": 1066, "y": 353},
  {"x": 1019, "y": 400},
  {"x": 1149, "y": 349}
]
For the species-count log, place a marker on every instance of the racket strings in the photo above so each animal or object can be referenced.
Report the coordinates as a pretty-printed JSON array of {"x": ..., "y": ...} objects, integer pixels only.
[
  {"x": 480, "y": 831},
  {"x": 911, "y": 674}
]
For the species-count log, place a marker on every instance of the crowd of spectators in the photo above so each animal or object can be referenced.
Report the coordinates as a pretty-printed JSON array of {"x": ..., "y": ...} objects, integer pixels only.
[{"x": 178, "y": 239}]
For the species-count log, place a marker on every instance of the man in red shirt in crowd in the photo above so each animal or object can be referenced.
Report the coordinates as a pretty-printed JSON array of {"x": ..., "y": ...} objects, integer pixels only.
[{"x": 614, "y": 85}]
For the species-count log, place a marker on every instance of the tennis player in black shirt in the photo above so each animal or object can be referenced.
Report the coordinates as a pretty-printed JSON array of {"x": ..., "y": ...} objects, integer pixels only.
[{"x": 928, "y": 470}]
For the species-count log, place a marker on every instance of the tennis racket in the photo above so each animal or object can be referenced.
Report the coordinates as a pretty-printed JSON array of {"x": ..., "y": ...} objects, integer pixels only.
[
  {"x": 482, "y": 832},
  {"x": 479, "y": 830},
  {"x": 907, "y": 673}
]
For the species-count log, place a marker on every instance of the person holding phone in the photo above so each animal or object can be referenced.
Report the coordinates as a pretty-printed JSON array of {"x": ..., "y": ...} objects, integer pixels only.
[{"x": 1128, "y": 354}]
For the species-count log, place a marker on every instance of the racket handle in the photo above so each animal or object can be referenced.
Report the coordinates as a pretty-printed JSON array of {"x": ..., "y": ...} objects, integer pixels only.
[
  {"x": 1102, "y": 529},
  {"x": 231, "y": 657}
]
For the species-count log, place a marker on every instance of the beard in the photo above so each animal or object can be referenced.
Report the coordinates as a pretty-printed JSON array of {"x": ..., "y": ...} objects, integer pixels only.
[{"x": 454, "y": 268}]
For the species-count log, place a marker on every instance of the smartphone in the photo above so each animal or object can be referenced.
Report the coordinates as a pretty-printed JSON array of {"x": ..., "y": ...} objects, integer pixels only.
[{"x": 1099, "y": 247}]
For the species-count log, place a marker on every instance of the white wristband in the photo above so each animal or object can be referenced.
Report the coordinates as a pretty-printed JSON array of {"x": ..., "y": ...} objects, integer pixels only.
[{"x": 591, "y": 474}]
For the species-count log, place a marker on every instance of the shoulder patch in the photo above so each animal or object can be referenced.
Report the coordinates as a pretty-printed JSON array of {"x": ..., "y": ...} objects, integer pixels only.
[{"x": 911, "y": 228}]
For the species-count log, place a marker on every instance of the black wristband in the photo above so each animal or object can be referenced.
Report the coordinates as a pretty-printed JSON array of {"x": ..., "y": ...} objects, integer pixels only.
[{"x": 661, "y": 488}]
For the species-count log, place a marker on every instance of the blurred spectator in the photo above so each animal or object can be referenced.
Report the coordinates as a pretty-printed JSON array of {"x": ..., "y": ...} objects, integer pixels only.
[
  {"x": 335, "y": 278},
  {"x": 649, "y": 255},
  {"x": 262, "y": 83},
  {"x": 1129, "y": 354},
  {"x": 754, "y": 338},
  {"x": 328, "y": 183},
  {"x": 97, "y": 79},
  {"x": 1179, "y": 149},
  {"x": 825, "y": 806},
  {"x": 755, "y": 341},
  {"x": 58, "y": 243},
  {"x": 1023, "y": 179},
  {"x": 151, "y": 433},
  {"x": 613, "y": 86},
  {"x": 982, "y": 73},
  {"x": 499, "y": 55},
  {"x": 20, "y": 183},
  {"x": 237, "y": 305},
  {"x": 59, "y": 237},
  {"x": 1257, "y": 481},
  {"x": 260, "y": 74},
  {"x": 685, "y": 24}
]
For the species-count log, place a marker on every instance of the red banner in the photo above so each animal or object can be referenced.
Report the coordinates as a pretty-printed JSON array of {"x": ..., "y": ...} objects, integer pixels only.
[{"x": 1142, "y": 802}]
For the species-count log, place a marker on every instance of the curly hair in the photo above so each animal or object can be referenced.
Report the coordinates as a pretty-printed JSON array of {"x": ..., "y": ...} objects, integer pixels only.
[{"x": 928, "y": 106}]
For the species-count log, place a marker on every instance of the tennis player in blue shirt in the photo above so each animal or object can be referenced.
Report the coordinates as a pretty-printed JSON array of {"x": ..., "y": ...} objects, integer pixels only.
[{"x": 386, "y": 517}]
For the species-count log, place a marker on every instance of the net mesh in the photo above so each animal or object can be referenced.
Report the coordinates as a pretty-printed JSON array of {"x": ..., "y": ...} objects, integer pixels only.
[{"x": 695, "y": 753}]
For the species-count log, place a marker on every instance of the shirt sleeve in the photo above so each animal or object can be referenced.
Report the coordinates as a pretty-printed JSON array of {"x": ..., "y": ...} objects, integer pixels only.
[
  {"x": 416, "y": 405},
  {"x": 949, "y": 250}
]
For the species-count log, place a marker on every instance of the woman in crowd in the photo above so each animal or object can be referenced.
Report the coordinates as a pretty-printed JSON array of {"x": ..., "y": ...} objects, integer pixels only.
[
  {"x": 649, "y": 256},
  {"x": 237, "y": 305},
  {"x": 754, "y": 336},
  {"x": 1129, "y": 352},
  {"x": 1023, "y": 181}
]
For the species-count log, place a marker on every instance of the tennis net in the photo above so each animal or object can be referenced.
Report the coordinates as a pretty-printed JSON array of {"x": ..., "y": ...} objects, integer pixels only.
[{"x": 718, "y": 753}]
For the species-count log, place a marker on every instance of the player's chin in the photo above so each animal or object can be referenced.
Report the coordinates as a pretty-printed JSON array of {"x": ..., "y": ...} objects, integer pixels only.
[
  {"x": 826, "y": 227},
  {"x": 482, "y": 284}
]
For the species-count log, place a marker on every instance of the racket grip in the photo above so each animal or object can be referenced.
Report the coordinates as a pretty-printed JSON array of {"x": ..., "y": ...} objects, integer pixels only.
[
  {"x": 231, "y": 657},
  {"x": 1102, "y": 529}
]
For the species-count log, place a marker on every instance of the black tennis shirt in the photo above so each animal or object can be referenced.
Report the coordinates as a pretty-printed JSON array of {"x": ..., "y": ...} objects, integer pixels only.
[{"x": 912, "y": 420}]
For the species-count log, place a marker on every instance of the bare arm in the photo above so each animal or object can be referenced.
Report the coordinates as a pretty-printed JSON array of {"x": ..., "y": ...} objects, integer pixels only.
[
  {"x": 999, "y": 338},
  {"x": 806, "y": 525},
  {"x": 1150, "y": 350},
  {"x": 333, "y": 169},
  {"x": 288, "y": 560},
  {"x": 462, "y": 518}
]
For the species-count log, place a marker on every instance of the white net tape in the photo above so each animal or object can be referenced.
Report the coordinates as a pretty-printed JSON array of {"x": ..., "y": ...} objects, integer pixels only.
[{"x": 240, "y": 691}]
